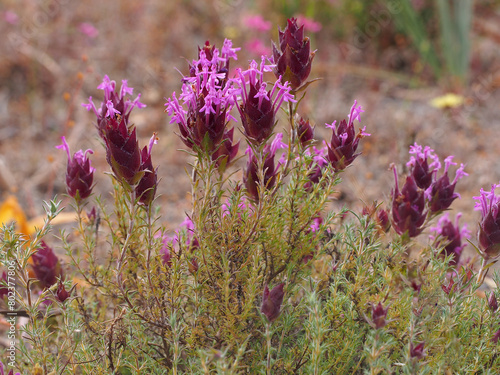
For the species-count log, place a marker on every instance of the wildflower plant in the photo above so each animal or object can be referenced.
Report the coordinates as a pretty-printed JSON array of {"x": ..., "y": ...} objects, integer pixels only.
[{"x": 262, "y": 276}]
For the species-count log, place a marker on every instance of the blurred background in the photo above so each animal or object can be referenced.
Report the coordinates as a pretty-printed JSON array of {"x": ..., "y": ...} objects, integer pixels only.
[{"x": 423, "y": 70}]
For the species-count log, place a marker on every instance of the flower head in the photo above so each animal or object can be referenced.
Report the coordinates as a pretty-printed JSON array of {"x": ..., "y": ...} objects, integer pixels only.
[
  {"x": 419, "y": 165},
  {"x": 46, "y": 266},
  {"x": 271, "y": 302},
  {"x": 79, "y": 173},
  {"x": 344, "y": 143},
  {"x": 442, "y": 192},
  {"x": 450, "y": 237},
  {"x": 489, "y": 226},
  {"x": 259, "y": 105},
  {"x": 408, "y": 206},
  {"x": 293, "y": 58},
  {"x": 122, "y": 148},
  {"x": 202, "y": 110}
]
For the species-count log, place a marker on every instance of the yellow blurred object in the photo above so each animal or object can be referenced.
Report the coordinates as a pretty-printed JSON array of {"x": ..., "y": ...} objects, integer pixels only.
[
  {"x": 11, "y": 211},
  {"x": 449, "y": 100}
]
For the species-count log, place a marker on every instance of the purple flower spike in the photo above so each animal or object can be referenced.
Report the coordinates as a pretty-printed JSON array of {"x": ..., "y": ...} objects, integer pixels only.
[
  {"x": 202, "y": 110},
  {"x": 294, "y": 57},
  {"x": 46, "y": 266},
  {"x": 122, "y": 149},
  {"x": 489, "y": 226},
  {"x": 79, "y": 173},
  {"x": 344, "y": 142},
  {"x": 271, "y": 302},
  {"x": 441, "y": 193},
  {"x": 420, "y": 169},
  {"x": 450, "y": 237},
  {"x": 408, "y": 214},
  {"x": 259, "y": 106}
]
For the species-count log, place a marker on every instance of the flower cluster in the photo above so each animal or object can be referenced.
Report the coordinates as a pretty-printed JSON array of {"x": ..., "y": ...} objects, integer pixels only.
[
  {"x": 79, "y": 173},
  {"x": 450, "y": 237},
  {"x": 128, "y": 162},
  {"x": 293, "y": 59},
  {"x": 344, "y": 143},
  {"x": 202, "y": 110},
  {"x": 423, "y": 192},
  {"x": 258, "y": 105},
  {"x": 489, "y": 226}
]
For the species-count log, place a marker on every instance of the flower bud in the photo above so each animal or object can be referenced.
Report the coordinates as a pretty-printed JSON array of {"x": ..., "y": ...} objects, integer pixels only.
[
  {"x": 79, "y": 173},
  {"x": 293, "y": 59},
  {"x": 489, "y": 226},
  {"x": 61, "y": 294},
  {"x": 305, "y": 132},
  {"x": 450, "y": 237},
  {"x": 417, "y": 351},
  {"x": 492, "y": 302},
  {"x": 46, "y": 266},
  {"x": 271, "y": 302},
  {"x": 408, "y": 214},
  {"x": 379, "y": 315}
]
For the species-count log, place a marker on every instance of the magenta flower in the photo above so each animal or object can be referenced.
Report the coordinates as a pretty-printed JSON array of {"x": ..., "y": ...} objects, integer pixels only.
[
  {"x": 251, "y": 176},
  {"x": 450, "y": 237},
  {"x": 146, "y": 188},
  {"x": 316, "y": 167},
  {"x": 46, "y": 266},
  {"x": 293, "y": 59},
  {"x": 420, "y": 169},
  {"x": 122, "y": 148},
  {"x": 203, "y": 109},
  {"x": 442, "y": 193},
  {"x": 271, "y": 302},
  {"x": 344, "y": 142},
  {"x": 309, "y": 24},
  {"x": 259, "y": 106},
  {"x": 256, "y": 22},
  {"x": 79, "y": 173},
  {"x": 88, "y": 29},
  {"x": 11, "y": 371},
  {"x": 408, "y": 214},
  {"x": 489, "y": 226}
]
